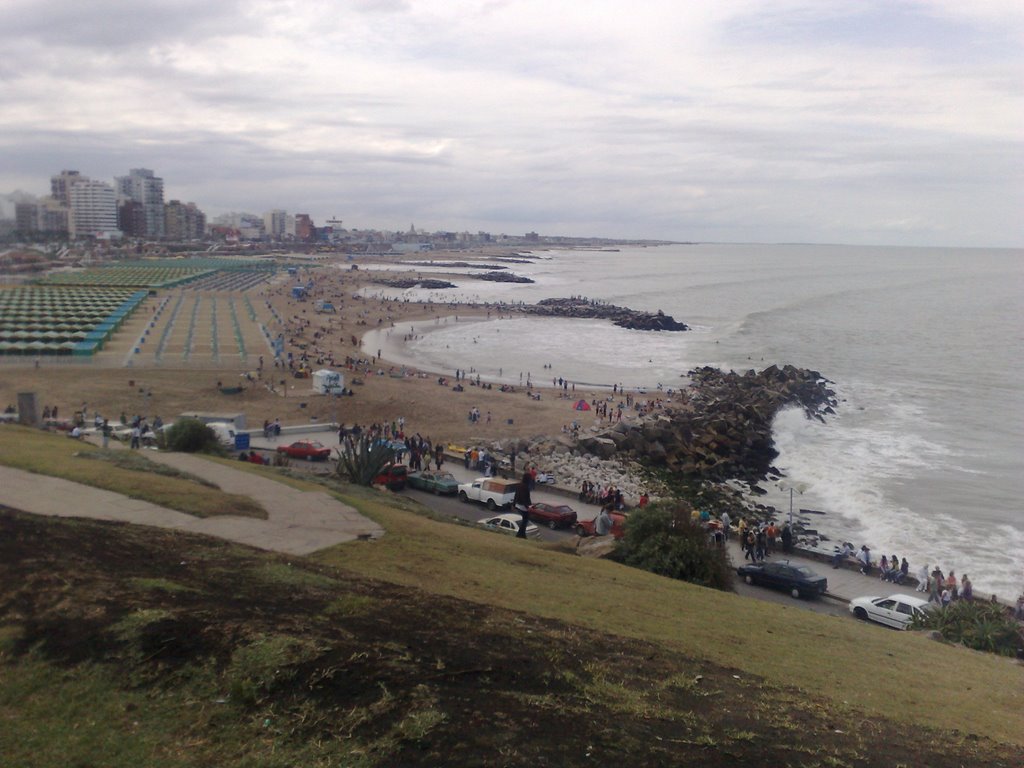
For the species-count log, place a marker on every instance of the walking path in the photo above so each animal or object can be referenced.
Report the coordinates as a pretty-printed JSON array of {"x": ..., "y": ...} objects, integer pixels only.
[
  {"x": 844, "y": 583},
  {"x": 302, "y": 522},
  {"x": 298, "y": 522}
]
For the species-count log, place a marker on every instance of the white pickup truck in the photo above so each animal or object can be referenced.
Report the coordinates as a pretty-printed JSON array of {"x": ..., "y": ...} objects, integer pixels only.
[{"x": 495, "y": 492}]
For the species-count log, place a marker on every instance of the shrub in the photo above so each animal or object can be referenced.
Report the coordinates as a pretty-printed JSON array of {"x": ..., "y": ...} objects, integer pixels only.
[
  {"x": 191, "y": 436},
  {"x": 976, "y": 624},
  {"x": 360, "y": 461},
  {"x": 662, "y": 539}
]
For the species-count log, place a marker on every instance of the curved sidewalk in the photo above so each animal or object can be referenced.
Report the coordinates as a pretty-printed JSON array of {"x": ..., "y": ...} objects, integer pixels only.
[{"x": 298, "y": 522}]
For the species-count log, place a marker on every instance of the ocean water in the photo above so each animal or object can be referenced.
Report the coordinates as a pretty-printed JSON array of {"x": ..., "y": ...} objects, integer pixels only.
[{"x": 925, "y": 456}]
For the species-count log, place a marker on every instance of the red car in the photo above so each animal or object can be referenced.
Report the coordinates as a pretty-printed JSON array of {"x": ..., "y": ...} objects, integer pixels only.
[
  {"x": 310, "y": 450},
  {"x": 586, "y": 527},
  {"x": 552, "y": 515},
  {"x": 393, "y": 477}
]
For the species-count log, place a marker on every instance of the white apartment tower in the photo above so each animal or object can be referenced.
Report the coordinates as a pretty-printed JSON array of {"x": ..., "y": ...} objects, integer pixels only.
[
  {"x": 143, "y": 187},
  {"x": 93, "y": 208},
  {"x": 274, "y": 223}
]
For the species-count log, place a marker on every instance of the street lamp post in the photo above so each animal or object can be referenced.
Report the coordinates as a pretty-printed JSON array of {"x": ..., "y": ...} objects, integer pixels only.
[{"x": 799, "y": 488}]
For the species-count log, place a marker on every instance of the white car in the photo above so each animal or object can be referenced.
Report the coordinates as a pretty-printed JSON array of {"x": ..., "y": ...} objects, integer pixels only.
[
  {"x": 894, "y": 611},
  {"x": 509, "y": 523}
]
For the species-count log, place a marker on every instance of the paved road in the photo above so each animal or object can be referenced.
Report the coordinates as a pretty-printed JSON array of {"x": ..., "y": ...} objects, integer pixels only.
[{"x": 451, "y": 506}]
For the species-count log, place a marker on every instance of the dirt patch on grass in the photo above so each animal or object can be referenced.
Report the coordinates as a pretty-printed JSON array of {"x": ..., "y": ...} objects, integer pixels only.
[{"x": 315, "y": 666}]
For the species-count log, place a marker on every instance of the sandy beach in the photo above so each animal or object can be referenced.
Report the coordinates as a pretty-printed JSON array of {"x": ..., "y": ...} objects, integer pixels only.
[{"x": 105, "y": 385}]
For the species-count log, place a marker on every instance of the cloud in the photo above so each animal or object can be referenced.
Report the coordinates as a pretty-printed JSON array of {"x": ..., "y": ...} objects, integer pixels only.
[{"x": 789, "y": 120}]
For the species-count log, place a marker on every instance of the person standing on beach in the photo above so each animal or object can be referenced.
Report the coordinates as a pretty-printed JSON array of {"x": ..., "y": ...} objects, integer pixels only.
[{"x": 522, "y": 502}]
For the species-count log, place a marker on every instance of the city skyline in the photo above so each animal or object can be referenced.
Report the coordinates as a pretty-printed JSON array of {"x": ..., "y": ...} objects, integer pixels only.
[{"x": 869, "y": 123}]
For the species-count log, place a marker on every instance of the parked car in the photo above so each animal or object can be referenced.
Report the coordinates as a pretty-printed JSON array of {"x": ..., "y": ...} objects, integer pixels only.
[
  {"x": 894, "y": 611},
  {"x": 553, "y": 515},
  {"x": 798, "y": 580},
  {"x": 589, "y": 527},
  {"x": 509, "y": 523},
  {"x": 435, "y": 482},
  {"x": 310, "y": 450},
  {"x": 393, "y": 477},
  {"x": 543, "y": 478}
]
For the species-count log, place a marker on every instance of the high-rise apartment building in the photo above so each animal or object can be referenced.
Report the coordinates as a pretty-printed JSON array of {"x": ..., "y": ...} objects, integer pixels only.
[
  {"x": 274, "y": 223},
  {"x": 184, "y": 221},
  {"x": 304, "y": 228},
  {"x": 142, "y": 186},
  {"x": 60, "y": 186},
  {"x": 93, "y": 210},
  {"x": 131, "y": 217}
]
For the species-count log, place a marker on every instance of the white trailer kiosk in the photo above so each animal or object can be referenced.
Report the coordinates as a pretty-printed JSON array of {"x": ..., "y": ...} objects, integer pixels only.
[{"x": 328, "y": 382}]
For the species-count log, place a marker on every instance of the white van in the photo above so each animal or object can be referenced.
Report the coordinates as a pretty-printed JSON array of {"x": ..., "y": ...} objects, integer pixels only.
[{"x": 225, "y": 432}]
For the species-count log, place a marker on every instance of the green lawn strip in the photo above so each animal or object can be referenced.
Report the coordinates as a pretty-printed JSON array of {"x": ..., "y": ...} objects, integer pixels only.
[
  {"x": 135, "y": 477},
  {"x": 903, "y": 676}
]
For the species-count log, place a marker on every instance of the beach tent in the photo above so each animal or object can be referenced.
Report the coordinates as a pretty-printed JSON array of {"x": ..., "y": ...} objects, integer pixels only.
[{"x": 581, "y": 405}]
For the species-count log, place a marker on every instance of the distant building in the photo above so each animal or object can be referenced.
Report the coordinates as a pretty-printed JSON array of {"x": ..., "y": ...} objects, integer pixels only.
[
  {"x": 142, "y": 186},
  {"x": 304, "y": 228},
  {"x": 183, "y": 221},
  {"x": 275, "y": 223},
  {"x": 131, "y": 217},
  {"x": 46, "y": 215},
  {"x": 93, "y": 210},
  {"x": 60, "y": 186},
  {"x": 26, "y": 217}
]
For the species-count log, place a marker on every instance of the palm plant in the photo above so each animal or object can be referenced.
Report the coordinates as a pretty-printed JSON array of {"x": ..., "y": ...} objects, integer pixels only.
[{"x": 360, "y": 460}]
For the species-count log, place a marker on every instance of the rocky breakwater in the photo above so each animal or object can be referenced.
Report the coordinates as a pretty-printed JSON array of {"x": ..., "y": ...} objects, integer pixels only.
[
  {"x": 720, "y": 428},
  {"x": 412, "y": 282},
  {"x": 620, "y": 316},
  {"x": 503, "y": 277}
]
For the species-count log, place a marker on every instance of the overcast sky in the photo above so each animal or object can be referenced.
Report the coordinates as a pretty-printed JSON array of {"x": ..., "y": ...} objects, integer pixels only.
[{"x": 851, "y": 121}]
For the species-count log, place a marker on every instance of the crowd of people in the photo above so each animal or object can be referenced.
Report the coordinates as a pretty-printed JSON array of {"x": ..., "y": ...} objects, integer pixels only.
[{"x": 594, "y": 493}]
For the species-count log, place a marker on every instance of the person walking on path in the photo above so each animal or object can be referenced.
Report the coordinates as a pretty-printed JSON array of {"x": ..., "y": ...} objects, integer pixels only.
[
  {"x": 522, "y": 502},
  {"x": 749, "y": 542},
  {"x": 726, "y": 521}
]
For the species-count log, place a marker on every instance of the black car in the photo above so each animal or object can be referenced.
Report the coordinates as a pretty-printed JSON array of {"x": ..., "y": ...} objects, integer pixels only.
[{"x": 798, "y": 580}]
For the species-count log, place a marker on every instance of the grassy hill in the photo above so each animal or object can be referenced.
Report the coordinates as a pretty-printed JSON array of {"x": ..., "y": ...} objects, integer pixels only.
[{"x": 443, "y": 645}]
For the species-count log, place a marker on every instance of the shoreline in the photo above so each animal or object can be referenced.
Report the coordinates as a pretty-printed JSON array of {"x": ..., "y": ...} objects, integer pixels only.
[
  {"x": 394, "y": 348},
  {"x": 819, "y": 524},
  {"x": 179, "y": 386}
]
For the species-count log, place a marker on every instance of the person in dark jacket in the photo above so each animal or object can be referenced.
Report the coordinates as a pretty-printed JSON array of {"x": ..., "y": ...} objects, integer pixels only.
[
  {"x": 522, "y": 502},
  {"x": 787, "y": 538}
]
